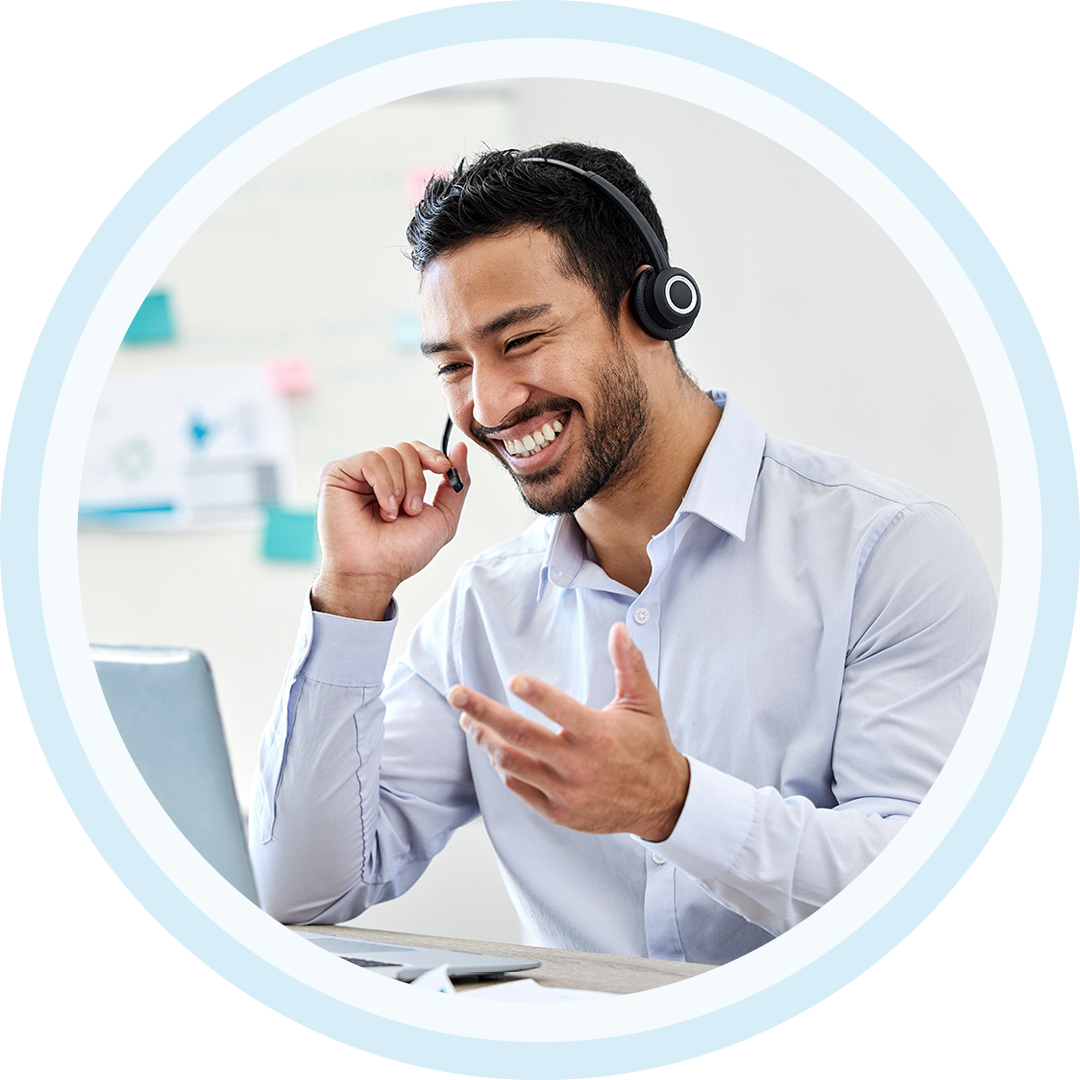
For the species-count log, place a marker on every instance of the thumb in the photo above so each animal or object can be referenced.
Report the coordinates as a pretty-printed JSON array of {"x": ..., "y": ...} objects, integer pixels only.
[
  {"x": 634, "y": 687},
  {"x": 446, "y": 498}
]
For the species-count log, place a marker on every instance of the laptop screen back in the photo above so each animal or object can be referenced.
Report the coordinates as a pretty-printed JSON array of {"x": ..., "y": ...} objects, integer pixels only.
[{"x": 163, "y": 702}]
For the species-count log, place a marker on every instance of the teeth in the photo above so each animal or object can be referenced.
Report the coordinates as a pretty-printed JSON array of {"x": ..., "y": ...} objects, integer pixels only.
[{"x": 535, "y": 442}]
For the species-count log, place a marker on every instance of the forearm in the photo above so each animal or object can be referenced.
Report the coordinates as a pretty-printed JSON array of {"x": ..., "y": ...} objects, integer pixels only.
[
  {"x": 346, "y": 814},
  {"x": 771, "y": 859},
  {"x": 777, "y": 883},
  {"x": 319, "y": 773},
  {"x": 311, "y": 865}
]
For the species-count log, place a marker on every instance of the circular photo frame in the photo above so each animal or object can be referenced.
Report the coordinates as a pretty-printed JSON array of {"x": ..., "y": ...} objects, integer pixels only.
[{"x": 907, "y": 200}]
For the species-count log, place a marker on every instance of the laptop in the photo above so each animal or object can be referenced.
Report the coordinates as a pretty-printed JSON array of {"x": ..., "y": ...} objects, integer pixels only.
[{"x": 163, "y": 702}]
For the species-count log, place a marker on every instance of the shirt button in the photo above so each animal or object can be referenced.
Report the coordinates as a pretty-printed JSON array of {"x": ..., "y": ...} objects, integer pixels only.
[
  {"x": 658, "y": 859},
  {"x": 641, "y": 616}
]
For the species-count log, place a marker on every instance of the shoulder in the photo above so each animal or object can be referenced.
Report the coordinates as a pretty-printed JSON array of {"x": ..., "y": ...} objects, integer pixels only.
[
  {"x": 512, "y": 561},
  {"x": 825, "y": 491},
  {"x": 821, "y": 472},
  {"x": 876, "y": 522}
]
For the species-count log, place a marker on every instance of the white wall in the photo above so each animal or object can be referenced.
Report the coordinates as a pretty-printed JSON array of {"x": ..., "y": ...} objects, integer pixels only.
[{"x": 811, "y": 317}]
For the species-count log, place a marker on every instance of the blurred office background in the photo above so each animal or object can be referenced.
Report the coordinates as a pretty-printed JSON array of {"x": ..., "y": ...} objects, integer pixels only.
[{"x": 812, "y": 318}]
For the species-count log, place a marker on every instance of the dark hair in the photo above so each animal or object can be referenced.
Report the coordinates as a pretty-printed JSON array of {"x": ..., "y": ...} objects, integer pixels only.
[{"x": 497, "y": 191}]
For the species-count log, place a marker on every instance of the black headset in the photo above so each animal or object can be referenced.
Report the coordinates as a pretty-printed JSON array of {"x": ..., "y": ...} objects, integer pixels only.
[{"x": 665, "y": 300}]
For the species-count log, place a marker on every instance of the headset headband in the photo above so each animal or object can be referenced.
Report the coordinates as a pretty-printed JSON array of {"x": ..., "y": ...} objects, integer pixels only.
[
  {"x": 657, "y": 254},
  {"x": 665, "y": 300}
]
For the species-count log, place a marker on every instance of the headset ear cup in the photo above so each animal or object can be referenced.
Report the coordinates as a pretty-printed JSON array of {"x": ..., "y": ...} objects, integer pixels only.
[{"x": 640, "y": 290}]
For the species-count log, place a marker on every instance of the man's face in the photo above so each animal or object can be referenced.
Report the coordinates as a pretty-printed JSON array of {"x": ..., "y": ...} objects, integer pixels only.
[{"x": 532, "y": 369}]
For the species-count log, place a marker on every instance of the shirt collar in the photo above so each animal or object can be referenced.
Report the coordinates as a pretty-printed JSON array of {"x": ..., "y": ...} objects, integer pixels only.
[
  {"x": 723, "y": 484},
  {"x": 720, "y": 492},
  {"x": 564, "y": 556}
]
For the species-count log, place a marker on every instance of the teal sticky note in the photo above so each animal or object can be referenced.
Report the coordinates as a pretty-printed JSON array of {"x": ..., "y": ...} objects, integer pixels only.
[
  {"x": 152, "y": 322},
  {"x": 290, "y": 535}
]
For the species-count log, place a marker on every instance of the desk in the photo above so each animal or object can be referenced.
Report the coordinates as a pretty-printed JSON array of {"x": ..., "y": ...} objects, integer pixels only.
[{"x": 573, "y": 970}]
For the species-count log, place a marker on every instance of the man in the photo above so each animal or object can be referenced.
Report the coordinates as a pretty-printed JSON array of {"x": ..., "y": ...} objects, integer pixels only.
[{"x": 693, "y": 701}]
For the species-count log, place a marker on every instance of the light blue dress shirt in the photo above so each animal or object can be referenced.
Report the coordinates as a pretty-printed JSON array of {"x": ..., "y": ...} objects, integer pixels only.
[{"x": 817, "y": 634}]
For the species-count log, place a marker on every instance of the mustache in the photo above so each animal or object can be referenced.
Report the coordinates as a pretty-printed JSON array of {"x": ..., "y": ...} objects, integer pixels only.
[{"x": 529, "y": 411}]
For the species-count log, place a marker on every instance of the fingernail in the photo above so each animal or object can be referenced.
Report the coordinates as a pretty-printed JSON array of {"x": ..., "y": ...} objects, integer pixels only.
[
  {"x": 458, "y": 697},
  {"x": 416, "y": 504},
  {"x": 519, "y": 685}
]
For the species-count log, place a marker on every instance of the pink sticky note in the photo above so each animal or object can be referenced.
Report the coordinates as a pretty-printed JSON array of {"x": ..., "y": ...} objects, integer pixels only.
[
  {"x": 416, "y": 180},
  {"x": 289, "y": 376}
]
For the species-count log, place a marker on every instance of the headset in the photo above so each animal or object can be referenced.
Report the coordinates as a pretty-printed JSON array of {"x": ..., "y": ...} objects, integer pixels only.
[{"x": 665, "y": 300}]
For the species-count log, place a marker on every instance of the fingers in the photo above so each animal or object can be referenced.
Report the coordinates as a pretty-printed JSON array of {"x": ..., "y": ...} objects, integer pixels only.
[
  {"x": 445, "y": 495},
  {"x": 517, "y": 748},
  {"x": 535, "y": 798},
  {"x": 378, "y": 474},
  {"x": 511, "y": 728},
  {"x": 432, "y": 460},
  {"x": 634, "y": 687},
  {"x": 569, "y": 714},
  {"x": 510, "y": 762},
  {"x": 412, "y": 478},
  {"x": 393, "y": 476}
]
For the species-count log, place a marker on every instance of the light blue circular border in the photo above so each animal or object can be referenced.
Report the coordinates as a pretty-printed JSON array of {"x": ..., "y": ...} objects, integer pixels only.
[{"x": 586, "y": 22}]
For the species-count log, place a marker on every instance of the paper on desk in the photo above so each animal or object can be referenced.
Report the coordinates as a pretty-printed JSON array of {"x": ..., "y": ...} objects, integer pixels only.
[{"x": 437, "y": 979}]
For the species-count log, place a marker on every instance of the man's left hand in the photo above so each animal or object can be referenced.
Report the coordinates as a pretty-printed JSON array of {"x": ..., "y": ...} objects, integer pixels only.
[{"x": 608, "y": 770}]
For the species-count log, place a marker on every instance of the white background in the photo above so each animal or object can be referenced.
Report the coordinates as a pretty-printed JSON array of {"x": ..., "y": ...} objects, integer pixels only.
[{"x": 984, "y": 93}]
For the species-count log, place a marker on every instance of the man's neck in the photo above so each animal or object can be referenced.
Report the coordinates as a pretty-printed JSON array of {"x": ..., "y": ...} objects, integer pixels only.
[{"x": 622, "y": 519}]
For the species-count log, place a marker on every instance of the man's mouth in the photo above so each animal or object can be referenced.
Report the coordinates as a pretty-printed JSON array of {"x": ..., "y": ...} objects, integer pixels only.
[{"x": 534, "y": 441}]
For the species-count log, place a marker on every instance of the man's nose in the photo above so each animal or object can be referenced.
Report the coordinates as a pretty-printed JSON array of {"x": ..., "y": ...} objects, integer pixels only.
[{"x": 497, "y": 392}]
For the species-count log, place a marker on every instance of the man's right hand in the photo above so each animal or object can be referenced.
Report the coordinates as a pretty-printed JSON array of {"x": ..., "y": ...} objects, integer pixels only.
[{"x": 375, "y": 528}]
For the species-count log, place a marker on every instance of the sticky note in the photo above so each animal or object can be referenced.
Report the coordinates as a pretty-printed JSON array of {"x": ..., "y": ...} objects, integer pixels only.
[
  {"x": 290, "y": 375},
  {"x": 152, "y": 322},
  {"x": 290, "y": 535}
]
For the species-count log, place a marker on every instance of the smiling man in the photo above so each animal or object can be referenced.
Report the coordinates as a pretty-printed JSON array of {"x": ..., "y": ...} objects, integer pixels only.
[{"x": 695, "y": 699}]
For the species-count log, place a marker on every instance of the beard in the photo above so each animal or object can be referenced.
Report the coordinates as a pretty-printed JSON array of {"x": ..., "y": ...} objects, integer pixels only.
[{"x": 622, "y": 398}]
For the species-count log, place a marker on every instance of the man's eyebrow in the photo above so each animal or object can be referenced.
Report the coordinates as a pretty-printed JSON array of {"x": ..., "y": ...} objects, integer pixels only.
[{"x": 502, "y": 322}]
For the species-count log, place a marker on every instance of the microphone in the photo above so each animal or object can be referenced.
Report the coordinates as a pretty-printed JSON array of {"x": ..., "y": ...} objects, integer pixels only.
[{"x": 452, "y": 477}]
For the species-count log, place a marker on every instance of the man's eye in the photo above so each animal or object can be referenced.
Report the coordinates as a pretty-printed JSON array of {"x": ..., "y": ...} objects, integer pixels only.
[
  {"x": 448, "y": 369},
  {"x": 514, "y": 343}
]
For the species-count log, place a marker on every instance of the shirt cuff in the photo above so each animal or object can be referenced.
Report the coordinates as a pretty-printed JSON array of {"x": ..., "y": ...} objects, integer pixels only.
[
  {"x": 713, "y": 826},
  {"x": 349, "y": 652}
]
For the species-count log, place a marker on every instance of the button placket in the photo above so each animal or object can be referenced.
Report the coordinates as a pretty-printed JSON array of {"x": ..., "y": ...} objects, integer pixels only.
[
  {"x": 661, "y": 921},
  {"x": 643, "y": 622}
]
